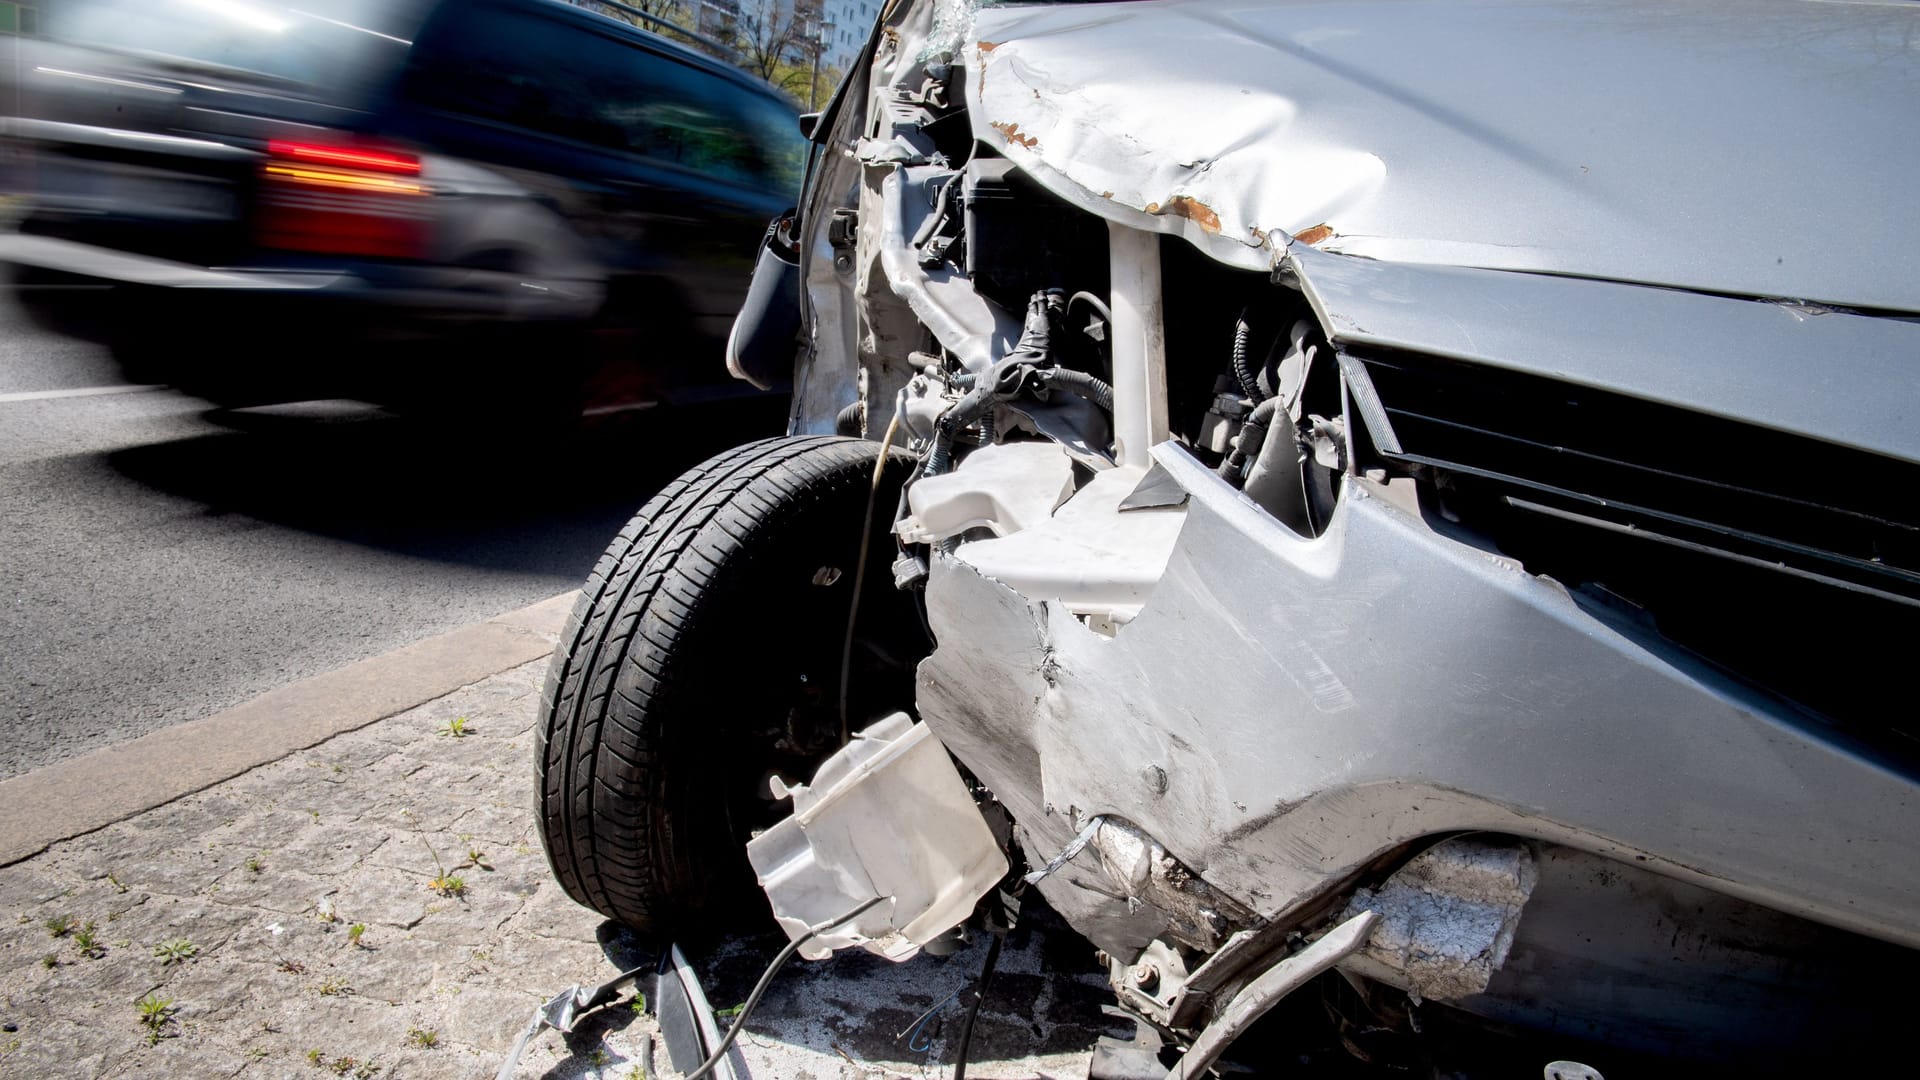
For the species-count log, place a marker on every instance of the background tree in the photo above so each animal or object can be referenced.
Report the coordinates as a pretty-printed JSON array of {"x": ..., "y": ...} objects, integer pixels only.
[
  {"x": 680, "y": 13},
  {"x": 769, "y": 34},
  {"x": 776, "y": 40}
]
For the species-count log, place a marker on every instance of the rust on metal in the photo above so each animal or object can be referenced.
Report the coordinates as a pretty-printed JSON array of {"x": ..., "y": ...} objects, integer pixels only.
[
  {"x": 1014, "y": 134},
  {"x": 1192, "y": 209},
  {"x": 1315, "y": 235}
]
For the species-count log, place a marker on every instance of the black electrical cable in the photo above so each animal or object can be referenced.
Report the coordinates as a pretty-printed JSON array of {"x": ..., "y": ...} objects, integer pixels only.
[
  {"x": 1093, "y": 302},
  {"x": 973, "y": 1010},
  {"x": 860, "y": 567},
  {"x": 1242, "y": 369},
  {"x": 1253, "y": 433},
  {"x": 1091, "y": 387},
  {"x": 766, "y": 979}
]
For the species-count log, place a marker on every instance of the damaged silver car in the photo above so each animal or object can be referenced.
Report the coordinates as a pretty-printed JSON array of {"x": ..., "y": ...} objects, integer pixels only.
[{"x": 1400, "y": 521}]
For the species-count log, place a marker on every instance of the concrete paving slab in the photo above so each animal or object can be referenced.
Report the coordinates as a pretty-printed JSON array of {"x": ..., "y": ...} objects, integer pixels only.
[{"x": 267, "y": 874}]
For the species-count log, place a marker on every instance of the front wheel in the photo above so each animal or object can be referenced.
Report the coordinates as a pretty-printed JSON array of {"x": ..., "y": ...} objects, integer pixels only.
[{"x": 703, "y": 656}]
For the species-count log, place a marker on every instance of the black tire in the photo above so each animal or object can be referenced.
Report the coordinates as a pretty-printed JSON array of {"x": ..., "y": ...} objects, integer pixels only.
[{"x": 703, "y": 655}]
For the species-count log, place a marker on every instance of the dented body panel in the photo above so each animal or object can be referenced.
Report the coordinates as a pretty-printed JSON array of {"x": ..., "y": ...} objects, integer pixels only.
[
  {"x": 1748, "y": 148},
  {"x": 1382, "y": 682}
]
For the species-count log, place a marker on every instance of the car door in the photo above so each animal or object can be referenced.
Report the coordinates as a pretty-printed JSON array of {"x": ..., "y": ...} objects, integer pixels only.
[{"x": 626, "y": 144}]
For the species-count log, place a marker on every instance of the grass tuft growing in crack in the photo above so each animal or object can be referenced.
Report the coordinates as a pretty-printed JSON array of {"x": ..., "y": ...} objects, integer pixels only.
[{"x": 86, "y": 941}]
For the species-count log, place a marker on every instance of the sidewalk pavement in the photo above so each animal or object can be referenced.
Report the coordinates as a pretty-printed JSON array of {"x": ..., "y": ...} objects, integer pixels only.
[{"x": 274, "y": 912}]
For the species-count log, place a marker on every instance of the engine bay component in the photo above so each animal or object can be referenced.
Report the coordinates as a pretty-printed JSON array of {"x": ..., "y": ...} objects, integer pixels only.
[
  {"x": 1017, "y": 239},
  {"x": 1004, "y": 488},
  {"x": 886, "y": 816}
]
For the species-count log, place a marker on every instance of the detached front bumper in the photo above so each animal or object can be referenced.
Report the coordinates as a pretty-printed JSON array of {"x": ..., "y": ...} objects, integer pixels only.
[{"x": 1284, "y": 711}]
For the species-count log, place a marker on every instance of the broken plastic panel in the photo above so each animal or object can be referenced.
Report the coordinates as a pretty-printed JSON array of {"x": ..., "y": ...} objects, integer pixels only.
[
  {"x": 887, "y": 815},
  {"x": 1003, "y": 488},
  {"x": 1088, "y": 555}
]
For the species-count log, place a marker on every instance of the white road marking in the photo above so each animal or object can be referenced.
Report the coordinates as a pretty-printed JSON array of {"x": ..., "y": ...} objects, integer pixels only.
[{"x": 83, "y": 391}]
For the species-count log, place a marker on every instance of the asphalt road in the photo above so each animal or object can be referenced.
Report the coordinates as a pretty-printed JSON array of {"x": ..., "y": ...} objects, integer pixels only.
[{"x": 161, "y": 560}]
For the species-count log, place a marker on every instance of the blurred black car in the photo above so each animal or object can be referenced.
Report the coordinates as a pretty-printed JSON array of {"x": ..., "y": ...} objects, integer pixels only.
[{"x": 391, "y": 198}]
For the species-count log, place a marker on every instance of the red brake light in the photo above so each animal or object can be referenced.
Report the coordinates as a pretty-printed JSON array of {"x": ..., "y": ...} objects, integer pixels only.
[
  {"x": 351, "y": 157},
  {"x": 342, "y": 198}
]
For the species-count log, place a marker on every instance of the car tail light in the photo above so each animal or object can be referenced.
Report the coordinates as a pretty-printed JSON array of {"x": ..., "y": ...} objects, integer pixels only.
[{"x": 342, "y": 198}]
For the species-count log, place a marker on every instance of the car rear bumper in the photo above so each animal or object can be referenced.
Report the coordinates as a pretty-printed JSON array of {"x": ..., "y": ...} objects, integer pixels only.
[{"x": 395, "y": 288}]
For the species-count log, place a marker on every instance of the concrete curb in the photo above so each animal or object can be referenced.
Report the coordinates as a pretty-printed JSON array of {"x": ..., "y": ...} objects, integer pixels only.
[{"x": 77, "y": 796}]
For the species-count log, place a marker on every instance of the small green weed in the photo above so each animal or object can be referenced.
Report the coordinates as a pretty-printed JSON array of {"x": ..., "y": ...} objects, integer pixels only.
[
  {"x": 452, "y": 885},
  {"x": 175, "y": 951},
  {"x": 639, "y": 1002},
  {"x": 424, "y": 1038},
  {"x": 599, "y": 1059},
  {"x": 456, "y": 728},
  {"x": 154, "y": 1012},
  {"x": 253, "y": 864},
  {"x": 334, "y": 986},
  {"x": 343, "y": 1066},
  {"x": 355, "y": 932},
  {"x": 59, "y": 926},
  {"x": 115, "y": 882},
  {"x": 49, "y": 961}
]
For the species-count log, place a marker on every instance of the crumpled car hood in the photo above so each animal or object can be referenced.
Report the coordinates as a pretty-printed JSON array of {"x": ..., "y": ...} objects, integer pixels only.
[{"x": 1764, "y": 148}]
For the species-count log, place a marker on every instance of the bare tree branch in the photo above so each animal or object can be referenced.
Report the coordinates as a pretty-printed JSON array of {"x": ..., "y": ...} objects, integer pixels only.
[{"x": 769, "y": 35}]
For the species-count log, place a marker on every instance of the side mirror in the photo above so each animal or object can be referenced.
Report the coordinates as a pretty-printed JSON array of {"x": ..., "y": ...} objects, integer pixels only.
[
  {"x": 760, "y": 349},
  {"x": 809, "y": 121}
]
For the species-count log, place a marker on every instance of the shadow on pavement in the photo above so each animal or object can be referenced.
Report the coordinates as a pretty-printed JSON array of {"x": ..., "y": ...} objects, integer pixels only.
[
  {"x": 1043, "y": 1007},
  {"x": 471, "y": 490}
]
